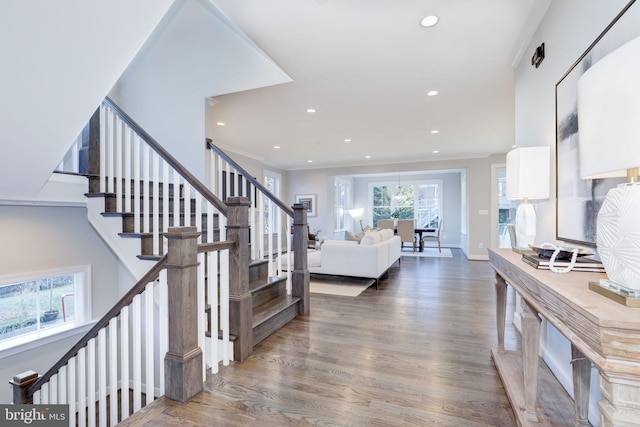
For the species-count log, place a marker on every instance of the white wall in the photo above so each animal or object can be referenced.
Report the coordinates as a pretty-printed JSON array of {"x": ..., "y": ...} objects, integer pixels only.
[
  {"x": 478, "y": 171},
  {"x": 59, "y": 60},
  {"x": 42, "y": 238},
  {"x": 568, "y": 29},
  {"x": 194, "y": 53}
]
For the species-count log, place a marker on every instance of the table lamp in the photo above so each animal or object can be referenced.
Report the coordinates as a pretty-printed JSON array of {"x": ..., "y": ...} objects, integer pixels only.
[
  {"x": 527, "y": 179},
  {"x": 609, "y": 135}
]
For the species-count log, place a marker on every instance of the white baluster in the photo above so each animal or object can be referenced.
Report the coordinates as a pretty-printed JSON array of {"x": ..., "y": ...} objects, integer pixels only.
[
  {"x": 82, "y": 388},
  {"x": 91, "y": 382},
  {"x": 53, "y": 389},
  {"x": 146, "y": 188},
  {"x": 71, "y": 400},
  {"x": 149, "y": 360},
  {"x": 163, "y": 316},
  {"x": 200, "y": 309},
  {"x": 187, "y": 204},
  {"x": 37, "y": 398},
  {"x": 166, "y": 193},
  {"x": 136, "y": 184},
  {"x": 198, "y": 216},
  {"x": 127, "y": 169},
  {"x": 117, "y": 140},
  {"x": 44, "y": 394},
  {"x": 288, "y": 260},
  {"x": 136, "y": 351},
  {"x": 110, "y": 162},
  {"x": 62, "y": 385},
  {"x": 260, "y": 238},
  {"x": 156, "y": 202},
  {"x": 103, "y": 148},
  {"x": 270, "y": 236},
  {"x": 113, "y": 371},
  {"x": 224, "y": 304},
  {"x": 102, "y": 377},
  {"x": 124, "y": 362},
  {"x": 176, "y": 199},
  {"x": 212, "y": 293}
]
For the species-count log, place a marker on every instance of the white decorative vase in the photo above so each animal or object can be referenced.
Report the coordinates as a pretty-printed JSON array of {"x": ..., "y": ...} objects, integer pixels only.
[{"x": 618, "y": 236}]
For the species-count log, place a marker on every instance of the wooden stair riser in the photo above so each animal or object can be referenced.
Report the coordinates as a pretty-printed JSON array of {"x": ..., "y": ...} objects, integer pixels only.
[
  {"x": 128, "y": 221},
  {"x": 275, "y": 322},
  {"x": 111, "y": 203},
  {"x": 272, "y": 291}
]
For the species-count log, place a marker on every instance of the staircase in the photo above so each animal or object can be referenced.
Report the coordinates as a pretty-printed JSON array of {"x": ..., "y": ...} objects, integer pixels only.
[{"x": 131, "y": 213}]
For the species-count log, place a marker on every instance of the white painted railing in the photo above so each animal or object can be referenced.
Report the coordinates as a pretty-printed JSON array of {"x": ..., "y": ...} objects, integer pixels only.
[
  {"x": 148, "y": 182},
  {"x": 122, "y": 357},
  {"x": 270, "y": 219}
]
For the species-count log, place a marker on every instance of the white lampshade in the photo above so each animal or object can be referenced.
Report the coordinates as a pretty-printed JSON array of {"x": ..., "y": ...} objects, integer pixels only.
[
  {"x": 609, "y": 135},
  {"x": 609, "y": 114},
  {"x": 528, "y": 173},
  {"x": 527, "y": 179}
]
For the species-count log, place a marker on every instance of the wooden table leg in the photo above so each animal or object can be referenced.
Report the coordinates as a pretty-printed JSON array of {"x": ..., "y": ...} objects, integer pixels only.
[
  {"x": 501, "y": 309},
  {"x": 530, "y": 350},
  {"x": 581, "y": 384}
]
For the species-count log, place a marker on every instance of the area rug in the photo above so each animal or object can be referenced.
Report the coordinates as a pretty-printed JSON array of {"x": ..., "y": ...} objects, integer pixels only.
[
  {"x": 340, "y": 286},
  {"x": 429, "y": 252}
]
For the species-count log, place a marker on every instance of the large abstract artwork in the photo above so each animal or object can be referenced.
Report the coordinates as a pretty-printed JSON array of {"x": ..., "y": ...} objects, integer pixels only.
[{"x": 579, "y": 200}]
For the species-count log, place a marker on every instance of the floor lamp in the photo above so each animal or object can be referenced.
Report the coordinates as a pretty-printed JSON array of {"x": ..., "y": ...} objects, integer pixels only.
[
  {"x": 527, "y": 179},
  {"x": 609, "y": 139}
]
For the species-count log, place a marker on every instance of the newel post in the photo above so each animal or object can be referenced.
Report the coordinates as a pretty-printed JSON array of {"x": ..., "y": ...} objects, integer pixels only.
[
  {"x": 183, "y": 361},
  {"x": 21, "y": 384},
  {"x": 240, "y": 304},
  {"x": 300, "y": 276}
]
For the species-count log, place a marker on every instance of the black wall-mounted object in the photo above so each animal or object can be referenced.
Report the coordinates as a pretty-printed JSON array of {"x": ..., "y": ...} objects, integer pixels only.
[{"x": 538, "y": 56}]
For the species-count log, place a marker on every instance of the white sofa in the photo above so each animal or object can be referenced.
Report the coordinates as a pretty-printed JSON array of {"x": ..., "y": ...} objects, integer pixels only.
[{"x": 371, "y": 257}]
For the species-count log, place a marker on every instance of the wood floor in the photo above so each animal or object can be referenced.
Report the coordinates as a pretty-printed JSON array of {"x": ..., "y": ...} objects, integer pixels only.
[{"x": 416, "y": 352}]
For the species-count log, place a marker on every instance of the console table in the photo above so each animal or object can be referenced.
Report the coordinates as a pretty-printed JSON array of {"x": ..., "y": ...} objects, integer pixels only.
[{"x": 601, "y": 332}]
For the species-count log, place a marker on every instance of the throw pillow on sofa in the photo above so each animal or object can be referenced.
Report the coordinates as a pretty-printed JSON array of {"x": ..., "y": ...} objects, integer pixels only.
[
  {"x": 356, "y": 237},
  {"x": 371, "y": 238}
]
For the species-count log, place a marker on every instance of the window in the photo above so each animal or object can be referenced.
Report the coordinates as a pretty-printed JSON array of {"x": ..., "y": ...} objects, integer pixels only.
[
  {"x": 33, "y": 303},
  {"x": 341, "y": 203},
  {"x": 420, "y": 200}
]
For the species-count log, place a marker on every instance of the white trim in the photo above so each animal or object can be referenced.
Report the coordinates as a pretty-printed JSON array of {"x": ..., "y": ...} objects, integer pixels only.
[{"x": 28, "y": 342}]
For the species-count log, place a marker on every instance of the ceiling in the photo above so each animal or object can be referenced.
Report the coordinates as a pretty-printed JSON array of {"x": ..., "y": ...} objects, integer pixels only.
[{"x": 366, "y": 66}]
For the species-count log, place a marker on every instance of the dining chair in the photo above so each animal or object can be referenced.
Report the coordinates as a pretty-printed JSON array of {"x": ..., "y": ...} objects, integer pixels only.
[
  {"x": 433, "y": 236},
  {"x": 407, "y": 232},
  {"x": 386, "y": 223}
]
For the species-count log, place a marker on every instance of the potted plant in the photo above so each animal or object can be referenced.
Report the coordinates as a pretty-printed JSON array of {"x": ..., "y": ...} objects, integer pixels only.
[
  {"x": 50, "y": 314},
  {"x": 395, "y": 215}
]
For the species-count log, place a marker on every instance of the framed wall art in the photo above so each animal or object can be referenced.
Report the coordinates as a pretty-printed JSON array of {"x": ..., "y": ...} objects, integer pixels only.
[
  {"x": 309, "y": 202},
  {"x": 579, "y": 200}
]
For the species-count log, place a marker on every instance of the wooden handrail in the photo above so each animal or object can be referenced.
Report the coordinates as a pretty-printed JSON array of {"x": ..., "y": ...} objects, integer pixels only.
[
  {"x": 138, "y": 288},
  {"x": 195, "y": 183},
  {"x": 215, "y": 246},
  {"x": 252, "y": 180}
]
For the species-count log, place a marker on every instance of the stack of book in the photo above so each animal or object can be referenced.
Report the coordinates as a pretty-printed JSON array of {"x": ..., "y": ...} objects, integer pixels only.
[{"x": 582, "y": 263}]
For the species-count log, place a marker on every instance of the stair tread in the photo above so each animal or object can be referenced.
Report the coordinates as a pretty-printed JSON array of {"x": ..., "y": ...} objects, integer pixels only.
[
  {"x": 271, "y": 308},
  {"x": 262, "y": 283}
]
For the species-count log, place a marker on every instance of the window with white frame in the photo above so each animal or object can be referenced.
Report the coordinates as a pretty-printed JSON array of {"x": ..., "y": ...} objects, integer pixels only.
[
  {"x": 37, "y": 302},
  {"x": 341, "y": 203},
  {"x": 419, "y": 200}
]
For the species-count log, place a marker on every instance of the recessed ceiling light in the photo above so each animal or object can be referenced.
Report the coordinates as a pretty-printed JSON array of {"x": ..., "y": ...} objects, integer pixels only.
[
  {"x": 220, "y": 123},
  {"x": 435, "y": 131},
  {"x": 311, "y": 110},
  {"x": 367, "y": 157},
  {"x": 432, "y": 93},
  {"x": 276, "y": 147},
  {"x": 347, "y": 140},
  {"x": 429, "y": 21},
  {"x": 513, "y": 146},
  {"x": 309, "y": 161},
  {"x": 435, "y": 151}
]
